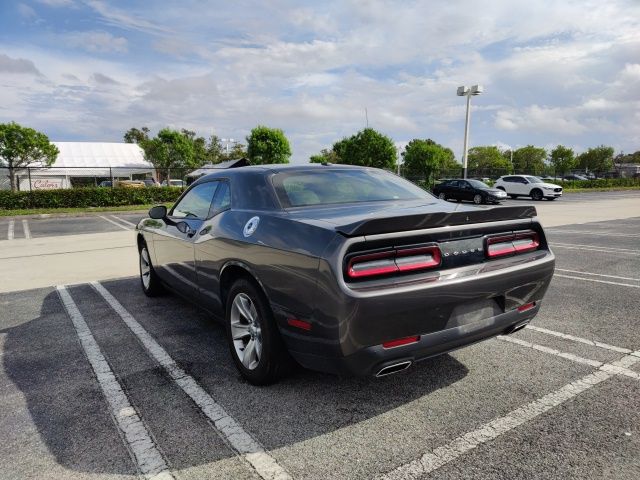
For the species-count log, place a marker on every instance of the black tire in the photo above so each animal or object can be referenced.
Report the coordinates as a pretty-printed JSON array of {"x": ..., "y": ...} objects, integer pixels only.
[
  {"x": 478, "y": 199},
  {"x": 513, "y": 196},
  {"x": 536, "y": 194},
  {"x": 274, "y": 360},
  {"x": 151, "y": 284},
  {"x": 442, "y": 196}
]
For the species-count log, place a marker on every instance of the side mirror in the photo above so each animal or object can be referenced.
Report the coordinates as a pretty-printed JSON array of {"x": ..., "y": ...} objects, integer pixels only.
[{"x": 158, "y": 212}]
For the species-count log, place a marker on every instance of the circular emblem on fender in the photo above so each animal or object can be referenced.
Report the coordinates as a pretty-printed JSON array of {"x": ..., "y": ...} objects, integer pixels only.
[{"x": 251, "y": 226}]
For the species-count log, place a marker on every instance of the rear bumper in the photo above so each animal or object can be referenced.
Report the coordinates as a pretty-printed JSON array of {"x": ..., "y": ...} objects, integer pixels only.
[
  {"x": 460, "y": 307},
  {"x": 371, "y": 360}
]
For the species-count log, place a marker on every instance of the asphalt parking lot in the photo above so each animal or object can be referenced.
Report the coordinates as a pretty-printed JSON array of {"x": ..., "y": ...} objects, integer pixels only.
[
  {"x": 50, "y": 226},
  {"x": 99, "y": 381}
]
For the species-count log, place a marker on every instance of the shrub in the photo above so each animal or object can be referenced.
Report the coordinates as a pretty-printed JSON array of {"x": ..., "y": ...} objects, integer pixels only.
[
  {"x": 87, "y": 197},
  {"x": 600, "y": 183}
]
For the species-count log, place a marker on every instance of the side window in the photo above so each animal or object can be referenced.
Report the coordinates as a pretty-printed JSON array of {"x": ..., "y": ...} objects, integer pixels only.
[
  {"x": 508, "y": 179},
  {"x": 196, "y": 202},
  {"x": 222, "y": 200},
  {"x": 453, "y": 183},
  {"x": 522, "y": 180}
]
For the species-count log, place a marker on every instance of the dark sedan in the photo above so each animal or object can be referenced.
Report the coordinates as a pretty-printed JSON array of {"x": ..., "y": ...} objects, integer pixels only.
[
  {"x": 473, "y": 190},
  {"x": 343, "y": 269}
]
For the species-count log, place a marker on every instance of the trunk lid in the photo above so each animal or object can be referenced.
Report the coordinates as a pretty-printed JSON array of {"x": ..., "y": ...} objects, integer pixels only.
[{"x": 386, "y": 217}]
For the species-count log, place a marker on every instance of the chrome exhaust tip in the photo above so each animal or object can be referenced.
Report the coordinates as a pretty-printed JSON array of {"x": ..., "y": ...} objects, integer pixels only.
[
  {"x": 515, "y": 329},
  {"x": 394, "y": 368}
]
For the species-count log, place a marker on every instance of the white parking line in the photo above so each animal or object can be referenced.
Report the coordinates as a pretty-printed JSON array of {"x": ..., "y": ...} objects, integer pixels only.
[
  {"x": 595, "y": 248},
  {"x": 489, "y": 431},
  {"x": 435, "y": 459},
  {"x": 242, "y": 442},
  {"x": 552, "y": 351},
  {"x": 586, "y": 341},
  {"x": 604, "y": 234},
  {"x": 148, "y": 458},
  {"x": 597, "y": 281},
  {"x": 114, "y": 222},
  {"x": 26, "y": 230},
  {"x": 126, "y": 222},
  {"x": 11, "y": 230},
  {"x": 597, "y": 274}
]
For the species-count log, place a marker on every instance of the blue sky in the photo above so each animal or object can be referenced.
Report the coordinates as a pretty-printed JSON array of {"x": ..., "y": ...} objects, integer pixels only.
[{"x": 554, "y": 72}]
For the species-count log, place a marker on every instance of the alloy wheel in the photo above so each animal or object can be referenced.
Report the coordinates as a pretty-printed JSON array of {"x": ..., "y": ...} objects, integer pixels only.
[
  {"x": 145, "y": 268},
  {"x": 246, "y": 331}
]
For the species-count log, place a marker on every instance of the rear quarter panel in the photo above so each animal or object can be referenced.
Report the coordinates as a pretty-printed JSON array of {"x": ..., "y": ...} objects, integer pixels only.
[{"x": 282, "y": 255}]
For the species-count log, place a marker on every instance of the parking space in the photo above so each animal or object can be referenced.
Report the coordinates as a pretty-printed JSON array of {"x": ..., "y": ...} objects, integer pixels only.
[
  {"x": 27, "y": 228},
  {"x": 101, "y": 381}
]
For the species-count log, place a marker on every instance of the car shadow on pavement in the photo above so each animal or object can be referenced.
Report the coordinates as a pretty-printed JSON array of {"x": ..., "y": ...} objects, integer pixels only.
[
  {"x": 306, "y": 404},
  {"x": 43, "y": 358}
]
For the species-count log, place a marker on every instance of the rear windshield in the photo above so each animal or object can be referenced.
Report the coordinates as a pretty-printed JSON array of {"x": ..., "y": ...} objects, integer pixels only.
[{"x": 328, "y": 187}]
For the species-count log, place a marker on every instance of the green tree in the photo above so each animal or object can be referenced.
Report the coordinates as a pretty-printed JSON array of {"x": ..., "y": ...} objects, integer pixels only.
[
  {"x": 21, "y": 146},
  {"x": 563, "y": 159},
  {"x": 598, "y": 159},
  {"x": 368, "y": 148},
  {"x": 529, "y": 159},
  {"x": 135, "y": 135},
  {"x": 487, "y": 158},
  {"x": 170, "y": 150},
  {"x": 423, "y": 158},
  {"x": 268, "y": 145},
  {"x": 325, "y": 156}
]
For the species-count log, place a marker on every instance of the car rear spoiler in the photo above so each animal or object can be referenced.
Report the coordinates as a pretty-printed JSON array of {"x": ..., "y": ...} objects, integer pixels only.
[{"x": 434, "y": 220}]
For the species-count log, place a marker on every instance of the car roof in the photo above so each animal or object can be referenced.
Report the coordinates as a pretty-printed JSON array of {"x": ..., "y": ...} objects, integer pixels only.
[{"x": 276, "y": 168}]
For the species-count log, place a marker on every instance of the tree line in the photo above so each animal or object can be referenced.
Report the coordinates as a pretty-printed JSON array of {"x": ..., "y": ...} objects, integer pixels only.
[
  {"x": 537, "y": 160},
  {"x": 181, "y": 150}
]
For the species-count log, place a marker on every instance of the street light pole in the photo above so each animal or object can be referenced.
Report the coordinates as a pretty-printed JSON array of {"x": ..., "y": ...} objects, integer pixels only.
[
  {"x": 467, "y": 92},
  {"x": 465, "y": 158}
]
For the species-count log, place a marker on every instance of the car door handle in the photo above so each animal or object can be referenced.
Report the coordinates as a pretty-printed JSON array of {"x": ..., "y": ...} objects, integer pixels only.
[{"x": 205, "y": 230}]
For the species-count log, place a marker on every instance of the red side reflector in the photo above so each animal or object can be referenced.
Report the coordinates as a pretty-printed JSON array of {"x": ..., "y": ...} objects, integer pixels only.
[
  {"x": 401, "y": 341},
  {"x": 526, "y": 306},
  {"x": 294, "y": 322}
]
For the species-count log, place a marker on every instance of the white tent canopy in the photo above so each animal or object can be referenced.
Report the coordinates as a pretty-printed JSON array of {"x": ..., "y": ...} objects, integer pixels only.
[{"x": 80, "y": 159}]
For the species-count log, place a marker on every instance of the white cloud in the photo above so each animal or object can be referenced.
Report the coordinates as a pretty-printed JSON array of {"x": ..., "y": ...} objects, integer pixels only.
[
  {"x": 554, "y": 73},
  {"x": 96, "y": 41},
  {"x": 26, "y": 11}
]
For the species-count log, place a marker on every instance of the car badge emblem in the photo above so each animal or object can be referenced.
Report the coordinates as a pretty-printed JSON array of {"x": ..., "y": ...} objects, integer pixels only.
[{"x": 251, "y": 226}]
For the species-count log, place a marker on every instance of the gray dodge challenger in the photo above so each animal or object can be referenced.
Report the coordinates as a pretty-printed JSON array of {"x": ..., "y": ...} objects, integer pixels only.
[{"x": 343, "y": 269}]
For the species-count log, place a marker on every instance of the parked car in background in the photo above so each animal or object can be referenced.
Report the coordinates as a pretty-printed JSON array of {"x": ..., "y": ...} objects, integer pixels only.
[
  {"x": 105, "y": 183},
  {"x": 150, "y": 182},
  {"x": 471, "y": 190},
  {"x": 173, "y": 183},
  {"x": 573, "y": 176},
  {"x": 129, "y": 184},
  {"x": 343, "y": 269},
  {"x": 528, "y": 186}
]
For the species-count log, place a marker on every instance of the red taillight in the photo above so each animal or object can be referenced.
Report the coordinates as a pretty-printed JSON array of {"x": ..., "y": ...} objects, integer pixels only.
[
  {"x": 502, "y": 245},
  {"x": 294, "y": 322},
  {"x": 526, "y": 306},
  {"x": 393, "y": 261},
  {"x": 401, "y": 341},
  {"x": 372, "y": 264}
]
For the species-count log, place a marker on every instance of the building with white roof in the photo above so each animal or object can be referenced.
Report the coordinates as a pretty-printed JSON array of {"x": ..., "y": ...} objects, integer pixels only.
[{"x": 83, "y": 163}]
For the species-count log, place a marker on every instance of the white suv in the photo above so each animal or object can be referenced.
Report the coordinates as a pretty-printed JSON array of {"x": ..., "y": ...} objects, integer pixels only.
[{"x": 528, "y": 186}]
